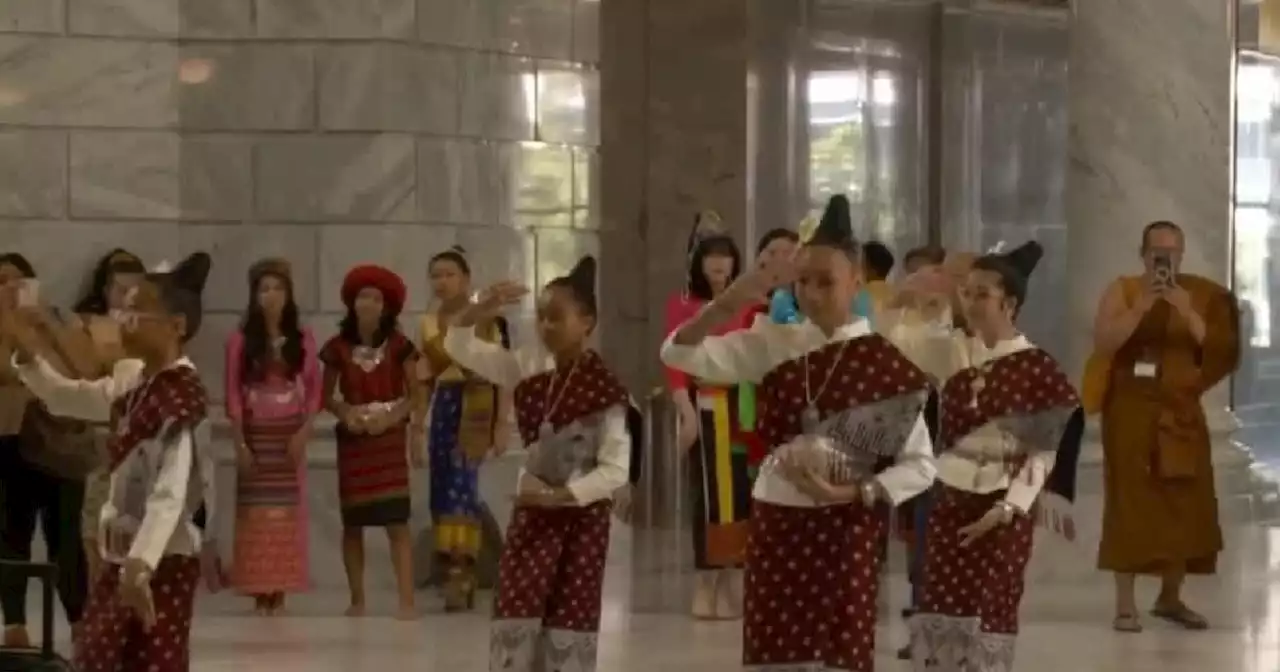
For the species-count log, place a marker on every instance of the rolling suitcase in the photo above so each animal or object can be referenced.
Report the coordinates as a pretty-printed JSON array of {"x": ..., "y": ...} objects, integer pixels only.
[{"x": 42, "y": 659}]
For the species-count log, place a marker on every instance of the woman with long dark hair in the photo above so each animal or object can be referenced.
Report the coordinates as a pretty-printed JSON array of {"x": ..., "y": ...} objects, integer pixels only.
[
  {"x": 717, "y": 425},
  {"x": 272, "y": 396},
  {"x": 113, "y": 276},
  {"x": 374, "y": 365},
  {"x": 468, "y": 418}
]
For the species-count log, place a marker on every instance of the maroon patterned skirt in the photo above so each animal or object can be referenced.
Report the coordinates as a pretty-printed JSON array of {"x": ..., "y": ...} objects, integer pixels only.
[
  {"x": 546, "y": 614},
  {"x": 113, "y": 637},
  {"x": 967, "y": 618},
  {"x": 811, "y": 583}
]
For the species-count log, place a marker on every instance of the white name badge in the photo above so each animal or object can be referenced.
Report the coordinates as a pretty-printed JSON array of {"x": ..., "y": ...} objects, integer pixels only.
[{"x": 1144, "y": 370}]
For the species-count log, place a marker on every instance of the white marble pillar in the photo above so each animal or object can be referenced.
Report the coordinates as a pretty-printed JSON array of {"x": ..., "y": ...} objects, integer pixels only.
[
  {"x": 1151, "y": 117},
  {"x": 1150, "y": 110}
]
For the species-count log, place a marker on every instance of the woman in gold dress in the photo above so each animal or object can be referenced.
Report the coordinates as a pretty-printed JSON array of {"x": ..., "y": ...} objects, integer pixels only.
[{"x": 467, "y": 417}]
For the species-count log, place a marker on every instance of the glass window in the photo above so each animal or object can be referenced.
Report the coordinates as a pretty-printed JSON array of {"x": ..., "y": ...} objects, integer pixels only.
[{"x": 1256, "y": 275}]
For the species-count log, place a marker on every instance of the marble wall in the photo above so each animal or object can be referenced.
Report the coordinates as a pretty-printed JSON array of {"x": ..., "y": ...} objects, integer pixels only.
[
  {"x": 1150, "y": 137},
  {"x": 330, "y": 132}
]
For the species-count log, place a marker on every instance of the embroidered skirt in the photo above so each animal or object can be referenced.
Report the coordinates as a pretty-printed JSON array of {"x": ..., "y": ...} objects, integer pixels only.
[
  {"x": 547, "y": 609},
  {"x": 373, "y": 478},
  {"x": 967, "y": 617},
  {"x": 113, "y": 637},
  {"x": 721, "y": 482},
  {"x": 271, "y": 539},
  {"x": 811, "y": 586},
  {"x": 455, "y": 490}
]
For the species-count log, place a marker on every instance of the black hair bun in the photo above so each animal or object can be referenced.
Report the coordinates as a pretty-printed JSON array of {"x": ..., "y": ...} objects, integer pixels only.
[
  {"x": 1024, "y": 257},
  {"x": 583, "y": 275},
  {"x": 192, "y": 273},
  {"x": 836, "y": 225}
]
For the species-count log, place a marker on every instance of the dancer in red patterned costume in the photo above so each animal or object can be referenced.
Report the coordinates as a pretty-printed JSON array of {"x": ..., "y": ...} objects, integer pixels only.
[
  {"x": 1009, "y": 440},
  {"x": 579, "y": 425},
  {"x": 139, "y": 614},
  {"x": 844, "y": 415}
]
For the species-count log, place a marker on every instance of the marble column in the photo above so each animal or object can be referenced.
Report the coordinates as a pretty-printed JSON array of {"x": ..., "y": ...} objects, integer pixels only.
[
  {"x": 1150, "y": 133},
  {"x": 673, "y": 142}
]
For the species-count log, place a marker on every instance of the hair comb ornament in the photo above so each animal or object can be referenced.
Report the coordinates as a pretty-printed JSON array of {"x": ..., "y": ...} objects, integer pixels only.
[
  {"x": 707, "y": 224},
  {"x": 808, "y": 226},
  {"x": 997, "y": 248}
]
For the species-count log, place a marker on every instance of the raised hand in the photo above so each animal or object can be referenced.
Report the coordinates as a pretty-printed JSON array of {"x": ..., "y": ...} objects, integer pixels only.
[
  {"x": 764, "y": 278},
  {"x": 491, "y": 302}
]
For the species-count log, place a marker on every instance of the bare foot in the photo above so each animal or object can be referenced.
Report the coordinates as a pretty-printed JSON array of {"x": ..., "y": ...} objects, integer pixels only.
[
  {"x": 408, "y": 613},
  {"x": 16, "y": 637},
  {"x": 704, "y": 601},
  {"x": 354, "y": 611}
]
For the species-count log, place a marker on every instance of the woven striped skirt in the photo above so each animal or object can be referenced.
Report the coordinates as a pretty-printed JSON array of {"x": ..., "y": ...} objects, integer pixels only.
[
  {"x": 721, "y": 483},
  {"x": 271, "y": 513}
]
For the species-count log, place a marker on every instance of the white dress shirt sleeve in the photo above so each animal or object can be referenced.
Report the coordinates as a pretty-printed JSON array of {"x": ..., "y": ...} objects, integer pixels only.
[
  {"x": 613, "y": 461},
  {"x": 81, "y": 399},
  {"x": 167, "y": 499},
  {"x": 746, "y": 355},
  {"x": 1025, "y": 486},
  {"x": 209, "y": 489},
  {"x": 914, "y": 471},
  {"x": 489, "y": 360}
]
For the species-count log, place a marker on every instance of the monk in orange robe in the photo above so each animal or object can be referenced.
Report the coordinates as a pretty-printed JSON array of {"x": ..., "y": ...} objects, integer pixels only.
[{"x": 1163, "y": 339}]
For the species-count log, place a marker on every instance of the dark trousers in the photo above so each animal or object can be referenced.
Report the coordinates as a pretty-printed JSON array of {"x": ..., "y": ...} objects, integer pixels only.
[
  {"x": 28, "y": 494},
  {"x": 923, "y": 504}
]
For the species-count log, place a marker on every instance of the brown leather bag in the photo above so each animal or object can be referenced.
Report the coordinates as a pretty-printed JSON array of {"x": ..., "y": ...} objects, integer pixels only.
[{"x": 65, "y": 447}]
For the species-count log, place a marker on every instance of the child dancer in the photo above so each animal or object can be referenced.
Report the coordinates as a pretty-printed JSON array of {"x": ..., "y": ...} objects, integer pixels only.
[
  {"x": 844, "y": 417},
  {"x": 572, "y": 413},
  {"x": 139, "y": 614},
  {"x": 1010, "y": 428}
]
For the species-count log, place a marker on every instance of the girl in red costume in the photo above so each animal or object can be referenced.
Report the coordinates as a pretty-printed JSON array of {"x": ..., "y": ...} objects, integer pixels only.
[
  {"x": 138, "y": 618},
  {"x": 580, "y": 429},
  {"x": 374, "y": 365}
]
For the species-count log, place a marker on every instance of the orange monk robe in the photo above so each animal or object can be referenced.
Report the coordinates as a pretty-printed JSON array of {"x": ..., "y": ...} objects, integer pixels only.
[{"x": 1160, "y": 511}]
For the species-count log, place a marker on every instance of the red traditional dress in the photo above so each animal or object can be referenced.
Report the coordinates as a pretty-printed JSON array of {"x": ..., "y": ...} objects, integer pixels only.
[
  {"x": 373, "y": 470},
  {"x": 1010, "y": 437},
  {"x": 161, "y": 476},
  {"x": 575, "y": 421},
  {"x": 852, "y": 405},
  {"x": 721, "y": 461}
]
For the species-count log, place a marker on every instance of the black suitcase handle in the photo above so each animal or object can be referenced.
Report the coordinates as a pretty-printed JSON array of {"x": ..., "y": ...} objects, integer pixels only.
[{"x": 47, "y": 574}]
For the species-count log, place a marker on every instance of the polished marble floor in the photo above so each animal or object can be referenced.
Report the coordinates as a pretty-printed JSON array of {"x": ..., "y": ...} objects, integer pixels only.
[{"x": 1066, "y": 626}]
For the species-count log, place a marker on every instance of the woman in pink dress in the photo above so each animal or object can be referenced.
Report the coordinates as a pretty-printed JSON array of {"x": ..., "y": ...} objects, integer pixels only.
[{"x": 273, "y": 393}]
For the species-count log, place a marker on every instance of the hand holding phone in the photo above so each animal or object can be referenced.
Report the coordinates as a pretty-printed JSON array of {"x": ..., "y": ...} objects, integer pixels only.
[{"x": 28, "y": 293}]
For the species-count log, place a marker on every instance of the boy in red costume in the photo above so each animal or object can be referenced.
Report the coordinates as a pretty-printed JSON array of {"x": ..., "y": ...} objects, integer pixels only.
[{"x": 138, "y": 618}]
